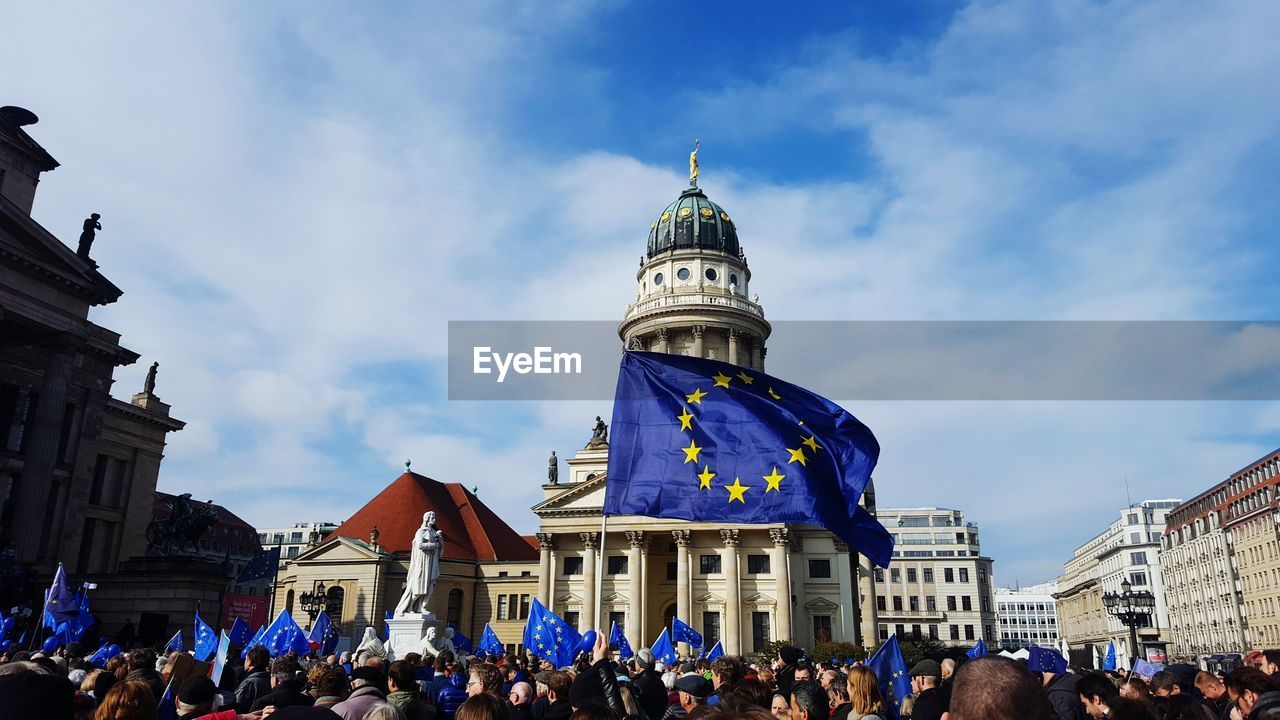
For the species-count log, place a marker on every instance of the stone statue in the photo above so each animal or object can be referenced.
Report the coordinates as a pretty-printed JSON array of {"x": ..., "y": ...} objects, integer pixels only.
[
  {"x": 553, "y": 469},
  {"x": 433, "y": 643},
  {"x": 185, "y": 525},
  {"x": 149, "y": 386},
  {"x": 599, "y": 435},
  {"x": 371, "y": 644},
  {"x": 693, "y": 164},
  {"x": 424, "y": 567},
  {"x": 91, "y": 226}
]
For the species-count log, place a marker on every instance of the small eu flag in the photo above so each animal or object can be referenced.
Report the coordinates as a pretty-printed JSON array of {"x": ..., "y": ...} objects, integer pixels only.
[
  {"x": 167, "y": 708},
  {"x": 323, "y": 638},
  {"x": 1146, "y": 668},
  {"x": 663, "y": 650},
  {"x": 240, "y": 634},
  {"x": 257, "y": 638},
  {"x": 175, "y": 643},
  {"x": 977, "y": 651},
  {"x": 716, "y": 651},
  {"x": 460, "y": 641},
  {"x": 707, "y": 441},
  {"x": 549, "y": 637},
  {"x": 60, "y": 603},
  {"x": 1048, "y": 660},
  {"x": 1109, "y": 662},
  {"x": 264, "y": 566},
  {"x": 619, "y": 640},
  {"x": 490, "y": 644},
  {"x": 891, "y": 670},
  {"x": 206, "y": 641},
  {"x": 284, "y": 635},
  {"x": 682, "y": 633}
]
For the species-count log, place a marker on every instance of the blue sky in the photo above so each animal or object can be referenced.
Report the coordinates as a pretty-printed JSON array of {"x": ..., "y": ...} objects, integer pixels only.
[{"x": 297, "y": 197}]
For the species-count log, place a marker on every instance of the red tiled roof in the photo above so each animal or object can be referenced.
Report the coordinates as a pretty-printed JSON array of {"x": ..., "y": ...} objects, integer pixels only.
[
  {"x": 532, "y": 540},
  {"x": 471, "y": 530}
]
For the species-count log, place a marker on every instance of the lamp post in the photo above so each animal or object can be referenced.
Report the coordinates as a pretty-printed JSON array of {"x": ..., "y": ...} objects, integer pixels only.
[
  {"x": 313, "y": 602},
  {"x": 1132, "y": 609}
]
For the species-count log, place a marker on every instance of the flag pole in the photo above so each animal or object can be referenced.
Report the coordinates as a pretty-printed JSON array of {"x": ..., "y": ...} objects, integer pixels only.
[{"x": 600, "y": 570}]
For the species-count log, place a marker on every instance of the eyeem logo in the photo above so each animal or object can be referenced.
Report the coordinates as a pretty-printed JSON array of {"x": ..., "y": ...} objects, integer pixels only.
[{"x": 541, "y": 362}]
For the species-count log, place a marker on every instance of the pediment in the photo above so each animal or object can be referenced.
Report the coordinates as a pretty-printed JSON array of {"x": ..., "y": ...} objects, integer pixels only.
[
  {"x": 583, "y": 498},
  {"x": 758, "y": 599},
  {"x": 821, "y": 603},
  {"x": 568, "y": 599},
  {"x": 709, "y": 599},
  {"x": 339, "y": 550},
  {"x": 25, "y": 242}
]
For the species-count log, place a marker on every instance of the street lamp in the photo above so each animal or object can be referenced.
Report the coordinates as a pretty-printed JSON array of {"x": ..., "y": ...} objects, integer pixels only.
[
  {"x": 1132, "y": 609},
  {"x": 313, "y": 602}
]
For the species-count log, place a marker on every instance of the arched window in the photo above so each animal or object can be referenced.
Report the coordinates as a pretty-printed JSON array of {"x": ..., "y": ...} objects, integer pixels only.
[
  {"x": 288, "y": 602},
  {"x": 453, "y": 616},
  {"x": 335, "y": 596}
]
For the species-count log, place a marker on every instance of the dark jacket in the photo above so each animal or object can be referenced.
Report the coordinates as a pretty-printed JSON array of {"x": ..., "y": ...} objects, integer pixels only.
[
  {"x": 522, "y": 712},
  {"x": 841, "y": 712},
  {"x": 784, "y": 678},
  {"x": 608, "y": 676},
  {"x": 539, "y": 709},
  {"x": 1267, "y": 706},
  {"x": 254, "y": 685},
  {"x": 151, "y": 678},
  {"x": 559, "y": 710},
  {"x": 282, "y": 696},
  {"x": 453, "y": 695},
  {"x": 411, "y": 705},
  {"x": 1063, "y": 697},
  {"x": 653, "y": 694},
  {"x": 930, "y": 704}
]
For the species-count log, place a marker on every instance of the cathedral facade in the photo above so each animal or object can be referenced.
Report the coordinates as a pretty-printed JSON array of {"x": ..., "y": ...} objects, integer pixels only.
[{"x": 742, "y": 585}]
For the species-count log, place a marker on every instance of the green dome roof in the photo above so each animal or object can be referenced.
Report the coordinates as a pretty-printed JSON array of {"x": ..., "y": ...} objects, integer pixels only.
[{"x": 693, "y": 222}]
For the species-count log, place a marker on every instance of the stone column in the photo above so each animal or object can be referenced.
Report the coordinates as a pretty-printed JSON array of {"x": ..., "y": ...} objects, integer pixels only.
[
  {"x": 546, "y": 569},
  {"x": 589, "y": 609},
  {"x": 698, "y": 331},
  {"x": 664, "y": 337},
  {"x": 42, "y": 451},
  {"x": 684, "y": 596},
  {"x": 733, "y": 346},
  {"x": 635, "y": 579},
  {"x": 867, "y": 603},
  {"x": 782, "y": 575},
  {"x": 754, "y": 361},
  {"x": 732, "y": 624},
  {"x": 844, "y": 561}
]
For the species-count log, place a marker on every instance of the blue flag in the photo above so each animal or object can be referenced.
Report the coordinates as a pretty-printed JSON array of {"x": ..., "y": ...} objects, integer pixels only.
[
  {"x": 266, "y": 565},
  {"x": 60, "y": 604},
  {"x": 682, "y": 633},
  {"x": 708, "y": 441},
  {"x": 175, "y": 643},
  {"x": 716, "y": 651},
  {"x": 1146, "y": 668},
  {"x": 99, "y": 658},
  {"x": 663, "y": 650},
  {"x": 1109, "y": 662},
  {"x": 386, "y": 627},
  {"x": 167, "y": 708},
  {"x": 489, "y": 642},
  {"x": 891, "y": 670},
  {"x": 1047, "y": 660},
  {"x": 462, "y": 642},
  {"x": 977, "y": 650},
  {"x": 257, "y": 638},
  {"x": 284, "y": 635},
  {"x": 240, "y": 634},
  {"x": 549, "y": 637},
  {"x": 619, "y": 640},
  {"x": 206, "y": 642},
  {"x": 324, "y": 636}
]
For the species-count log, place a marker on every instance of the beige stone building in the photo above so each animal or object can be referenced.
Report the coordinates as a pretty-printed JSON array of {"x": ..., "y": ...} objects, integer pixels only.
[{"x": 1251, "y": 521}]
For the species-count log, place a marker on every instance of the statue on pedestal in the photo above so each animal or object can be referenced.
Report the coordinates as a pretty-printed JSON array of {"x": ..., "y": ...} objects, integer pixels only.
[
  {"x": 433, "y": 644},
  {"x": 371, "y": 644},
  {"x": 599, "y": 435},
  {"x": 149, "y": 385},
  {"x": 424, "y": 567},
  {"x": 553, "y": 469},
  {"x": 91, "y": 226}
]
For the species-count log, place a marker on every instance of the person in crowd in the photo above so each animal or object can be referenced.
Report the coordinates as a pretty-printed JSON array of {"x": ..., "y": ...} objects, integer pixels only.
[
  {"x": 1135, "y": 688},
  {"x": 142, "y": 666},
  {"x": 1061, "y": 689},
  {"x": 482, "y": 706},
  {"x": 865, "y": 700},
  {"x": 804, "y": 671},
  {"x": 838, "y": 698},
  {"x": 1095, "y": 690},
  {"x": 809, "y": 701},
  {"x": 521, "y": 698},
  {"x": 1164, "y": 684},
  {"x": 257, "y": 681},
  {"x": 747, "y": 693},
  {"x": 1253, "y": 692},
  {"x": 1123, "y": 708},
  {"x": 128, "y": 700},
  {"x": 195, "y": 697},
  {"x": 330, "y": 688},
  {"x": 930, "y": 702},
  {"x": 780, "y": 707},
  {"x": 726, "y": 672},
  {"x": 648, "y": 682},
  {"x": 1269, "y": 663},
  {"x": 996, "y": 688},
  {"x": 404, "y": 692},
  {"x": 788, "y": 658},
  {"x": 366, "y": 691},
  {"x": 485, "y": 678},
  {"x": 558, "y": 686},
  {"x": 453, "y": 694},
  {"x": 538, "y": 708},
  {"x": 286, "y": 688},
  {"x": 1214, "y": 693},
  {"x": 692, "y": 691},
  {"x": 383, "y": 711}
]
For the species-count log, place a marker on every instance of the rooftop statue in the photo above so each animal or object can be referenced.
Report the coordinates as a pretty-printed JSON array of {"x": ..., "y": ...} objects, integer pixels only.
[
  {"x": 91, "y": 226},
  {"x": 693, "y": 164}
]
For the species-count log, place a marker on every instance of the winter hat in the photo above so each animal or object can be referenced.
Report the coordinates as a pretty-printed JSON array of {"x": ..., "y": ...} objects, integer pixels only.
[
  {"x": 790, "y": 654},
  {"x": 927, "y": 668},
  {"x": 644, "y": 658},
  {"x": 197, "y": 691}
]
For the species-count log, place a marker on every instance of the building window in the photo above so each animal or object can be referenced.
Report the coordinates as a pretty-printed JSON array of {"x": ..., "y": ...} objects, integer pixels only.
[
  {"x": 757, "y": 564},
  {"x": 982, "y": 575},
  {"x": 913, "y": 603},
  {"x": 915, "y": 632},
  {"x": 821, "y": 568},
  {"x": 1135, "y": 538},
  {"x": 895, "y": 575},
  {"x": 617, "y": 564},
  {"x": 955, "y": 632},
  {"x": 502, "y": 608},
  {"x": 291, "y": 553},
  {"x": 671, "y": 571},
  {"x": 966, "y": 602},
  {"x": 1138, "y": 578},
  {"x": 879, "y": 575},
  {"x": 964, "y": 574},
  {"x": 988, "y": 634},
  {"x": 928, "y": 575},
  {"x": 880, "y": 603},
  {"x": 933, "y": 632},
  {"x": 951, "y": 602},
  {"x": 525, "y": 601},
  {"x": 295, "y": 537},
  {"x": 1138, "y": 558},
  {"x": 968, "y": 632},
  {"x": 900, "y": 630},
  {"x": 911, "y": 575},
  {"x": 1133, "y": 518},
  {"x": 897, "y": 603},
  {"x": 710, "y": 629},
  {"x": 759, "y": 630},
  {"x": 453, "y": 612},
  {"x": 948, "y": 575},
  {"x": 931, "y": 604},
  {"x": 618, "y": 618},
  {"x": 571, "y": 617},
  {"x": 884, "y": 631},
  {"x": 709, "y": 564},
  {"x": 572, "y": 565}
]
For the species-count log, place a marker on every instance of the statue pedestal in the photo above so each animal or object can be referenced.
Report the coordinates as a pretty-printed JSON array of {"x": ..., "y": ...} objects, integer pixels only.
[{"x": 405, "y": 633}]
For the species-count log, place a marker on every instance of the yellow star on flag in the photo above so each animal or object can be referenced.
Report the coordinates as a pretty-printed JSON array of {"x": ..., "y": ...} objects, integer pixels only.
[
  {"x": 691, "y": 452},
  {"x": 686, "y": 419},
  {"x": 737, "y": 491},
  {"x": 721, "y": 379},
  {"x": 696, "y": 397},
  {"x": 774, "y": 395},
  {"x": 704, "y": 478},
  {"x": 797, "y": 455},
  {"x": 774, "y": 480},
  {"x": 746, "y": 379},
  {"x": 812, "y": 442}
]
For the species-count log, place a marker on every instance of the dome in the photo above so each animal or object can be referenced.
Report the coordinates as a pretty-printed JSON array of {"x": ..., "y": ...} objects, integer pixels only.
[{"x": 693, "y": 222}]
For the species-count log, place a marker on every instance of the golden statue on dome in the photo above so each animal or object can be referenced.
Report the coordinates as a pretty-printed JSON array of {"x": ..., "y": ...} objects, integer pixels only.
[{"x": 693, "y": 164}]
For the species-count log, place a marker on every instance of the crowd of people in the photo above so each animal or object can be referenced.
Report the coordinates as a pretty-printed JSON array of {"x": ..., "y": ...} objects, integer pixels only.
[{"x": 137, "y": 685}]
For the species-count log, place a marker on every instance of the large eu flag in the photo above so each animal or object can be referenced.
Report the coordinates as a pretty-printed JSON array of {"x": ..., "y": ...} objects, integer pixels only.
[
  {"x": 891, "y": 671},
  {"x": 705, "y": 440},
  {"x": 265, "y": 565},
  {"x": 549, "y": 637}
]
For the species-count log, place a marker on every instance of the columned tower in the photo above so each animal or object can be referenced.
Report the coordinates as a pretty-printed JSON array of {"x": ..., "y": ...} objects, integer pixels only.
[{"x": 694, "y": 287}]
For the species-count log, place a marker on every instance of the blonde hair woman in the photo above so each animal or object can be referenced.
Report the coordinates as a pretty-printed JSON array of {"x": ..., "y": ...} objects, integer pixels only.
[{"x": 864, "y": 695}]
